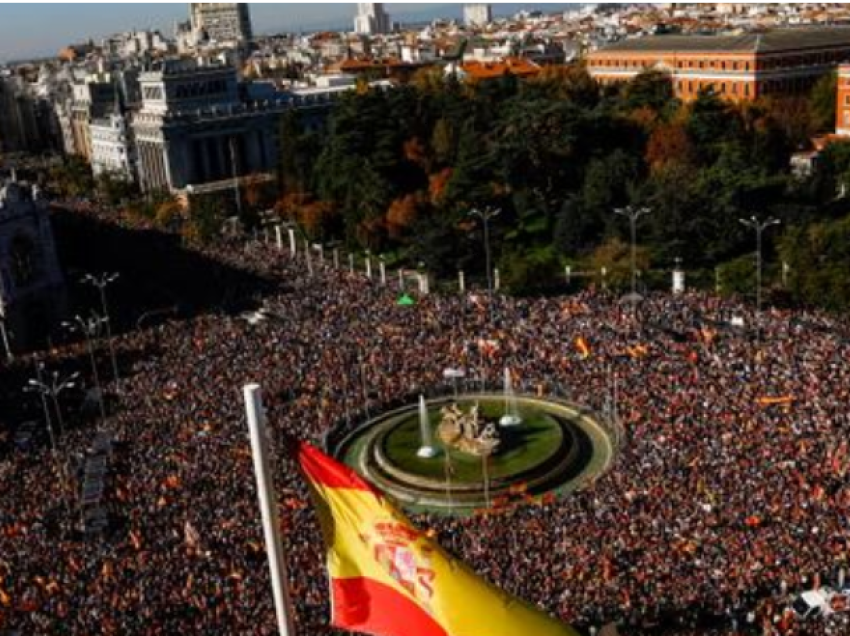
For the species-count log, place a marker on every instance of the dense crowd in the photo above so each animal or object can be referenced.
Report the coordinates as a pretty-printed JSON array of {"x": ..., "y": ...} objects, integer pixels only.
[{"x": 728, "y": 496}]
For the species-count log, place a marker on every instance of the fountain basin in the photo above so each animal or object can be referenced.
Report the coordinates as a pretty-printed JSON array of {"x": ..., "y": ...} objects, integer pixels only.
[{"x": 558, "y": 447}]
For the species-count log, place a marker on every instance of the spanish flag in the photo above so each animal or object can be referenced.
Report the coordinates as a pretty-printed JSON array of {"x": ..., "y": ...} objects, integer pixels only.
[
  {"x": 389, "y": 579},
  {"x": 582, "y": 347}
]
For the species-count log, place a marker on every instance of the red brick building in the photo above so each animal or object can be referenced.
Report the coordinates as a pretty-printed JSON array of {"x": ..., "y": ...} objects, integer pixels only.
[{"x": 745, "y": 67}]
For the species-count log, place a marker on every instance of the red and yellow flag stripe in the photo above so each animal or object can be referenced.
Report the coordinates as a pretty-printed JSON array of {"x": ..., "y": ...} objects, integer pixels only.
[{"x": 390, "y": 579}]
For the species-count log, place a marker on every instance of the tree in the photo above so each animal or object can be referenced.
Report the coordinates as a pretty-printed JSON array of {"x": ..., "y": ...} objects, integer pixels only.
[
  {"x": 712, "y": 123},
  {"x": 402, "y": 215},
  {"x": 570, "y": 83},
  {"x": 205, "y": 219},
  {"x": 819, "y": 260},
  {"x": 170, "y": 214},
  {"x": 472, "y": 179},
  {"x": 615, "y": 256},
  {"x": 316, "y": 218},
  {"x": 669, "y": 144},
  {"x": 298, "y": 153},
  {"x": 822, "y": 100},
  {"x": 73, "y": 178},
  {"x": 114, "y": 187},
  {"x": 444, "y": 141},
  {"x": 650, "y": 89},
  {"x": 530, "y": 271}
]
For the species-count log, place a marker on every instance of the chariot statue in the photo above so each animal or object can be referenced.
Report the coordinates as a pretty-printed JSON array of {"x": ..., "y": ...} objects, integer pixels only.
[{"x": 468, "y": 432}]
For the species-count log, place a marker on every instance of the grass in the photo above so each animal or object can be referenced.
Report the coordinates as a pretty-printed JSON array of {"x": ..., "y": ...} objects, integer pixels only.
[{"x": 522, "y": 447}]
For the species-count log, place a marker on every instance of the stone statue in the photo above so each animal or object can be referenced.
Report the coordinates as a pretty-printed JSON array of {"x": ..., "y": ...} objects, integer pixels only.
[{"x": 467, "y": 432}]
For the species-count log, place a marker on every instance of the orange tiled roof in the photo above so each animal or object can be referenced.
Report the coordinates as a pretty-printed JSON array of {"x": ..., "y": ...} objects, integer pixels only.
[{"x": 518, "y": 66}]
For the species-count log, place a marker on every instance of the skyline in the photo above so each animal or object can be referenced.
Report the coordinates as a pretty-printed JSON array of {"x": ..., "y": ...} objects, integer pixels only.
[{"x": 26, "y": 33}]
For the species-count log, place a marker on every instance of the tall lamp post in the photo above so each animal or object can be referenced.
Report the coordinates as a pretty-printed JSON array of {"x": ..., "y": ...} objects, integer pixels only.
[
  {"x": 101, "y": 282},
  {"x": 90, "y": 329},
  {"x": 34, "y": 386},
  {"x": 486, "y": 215},
  {"x": 759, "y": 226},
  {"x": 53, "y": 388},
  {"x": 633, "y": 215}
]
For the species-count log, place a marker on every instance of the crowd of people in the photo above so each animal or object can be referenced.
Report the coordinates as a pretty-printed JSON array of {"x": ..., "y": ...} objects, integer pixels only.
[{"x": 729, "y": 494}]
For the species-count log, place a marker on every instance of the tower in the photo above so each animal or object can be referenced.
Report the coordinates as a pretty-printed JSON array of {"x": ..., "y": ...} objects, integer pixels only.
[
  {"x": 477, "y": 15},
  {"x": 371, "y": 19},
  {"x": 222, "y": 21}
]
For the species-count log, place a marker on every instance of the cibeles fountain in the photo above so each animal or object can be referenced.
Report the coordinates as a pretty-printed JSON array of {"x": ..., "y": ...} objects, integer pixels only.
[
  {"x": 511, "y": 416},
  {"x": 468, "y": 432},
  {"x": 464, "y": 452},
  {"x": 426, "y": 449}
]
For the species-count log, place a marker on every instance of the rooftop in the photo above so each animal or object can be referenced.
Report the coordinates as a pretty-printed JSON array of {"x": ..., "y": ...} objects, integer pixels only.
[
  {"x": 773, "y": 41},
  {"x": 489, "y": 70}
]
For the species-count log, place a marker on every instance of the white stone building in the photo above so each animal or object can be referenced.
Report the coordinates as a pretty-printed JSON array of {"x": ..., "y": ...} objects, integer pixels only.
[
  {"x": 223, "y": 22},
  {"x": 371, "y": 19},
  {"x": 477, "y": 15},
  {"x": 112, "y": 147}
]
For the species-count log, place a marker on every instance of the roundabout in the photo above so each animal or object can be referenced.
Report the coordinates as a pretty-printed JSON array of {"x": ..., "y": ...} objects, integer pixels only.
[{"x": 457, "y": 455}]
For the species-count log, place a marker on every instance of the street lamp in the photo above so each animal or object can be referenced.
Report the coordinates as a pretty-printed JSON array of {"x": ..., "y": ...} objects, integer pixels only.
[
  {"x": 486, "y": 215},
  {"x": 53, "y": 388},
  {"x": 759, "y": 226},
  {"x": 36, "y": 388},
  {"x": 633, "y": 214},
  {"x": 90, "y": 329},
  {"x": 101, "y": 283}
]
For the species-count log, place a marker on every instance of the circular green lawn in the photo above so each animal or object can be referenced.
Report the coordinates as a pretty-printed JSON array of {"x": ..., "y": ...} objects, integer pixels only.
[{"x": 522, "y": 448}]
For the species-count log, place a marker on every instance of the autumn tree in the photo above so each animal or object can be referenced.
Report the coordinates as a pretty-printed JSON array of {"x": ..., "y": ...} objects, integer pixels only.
[
  {"x": 615, "y": 257},
  {"x": 669, "y": 143},
  {"x": 402, "y": 214}
]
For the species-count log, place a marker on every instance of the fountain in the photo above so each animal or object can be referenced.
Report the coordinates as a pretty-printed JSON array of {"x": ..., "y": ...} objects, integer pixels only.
[
  {"x": 427, "y": 450},
  {"x": 511, "y": 416},
  {"x": 468, "y": 432}
]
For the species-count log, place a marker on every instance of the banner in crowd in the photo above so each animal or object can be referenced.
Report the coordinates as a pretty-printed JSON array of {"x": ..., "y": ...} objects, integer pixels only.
[{"x": 389, "y": 579}]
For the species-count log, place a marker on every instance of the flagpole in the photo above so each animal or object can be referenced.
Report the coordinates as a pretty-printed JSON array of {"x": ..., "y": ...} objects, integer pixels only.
[{"x": 268, "y": 508}]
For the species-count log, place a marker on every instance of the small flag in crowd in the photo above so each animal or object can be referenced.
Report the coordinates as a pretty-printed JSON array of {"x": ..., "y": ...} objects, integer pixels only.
[
  {"x": 582, "y": 347},
  {"x": 389, "y": 579},
  {"x": 784, "y": 400}
]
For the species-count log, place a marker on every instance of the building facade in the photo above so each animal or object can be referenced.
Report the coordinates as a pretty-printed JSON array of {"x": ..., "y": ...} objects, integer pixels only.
[
  {"x": 223, "y": 22},
  {"x": 737, "y": 68},
  {"x": 27, "y": 121},
  {"x": 371, "y": 19},
  {"x": 477, "y": 15},
  {"x": 842, "y": 106},
  {"x": 196, "y": 133},
  {"x": 28, "y": 261},
  {"x": 113, "y": 151},
  {"x": 92, "y": 99}
]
